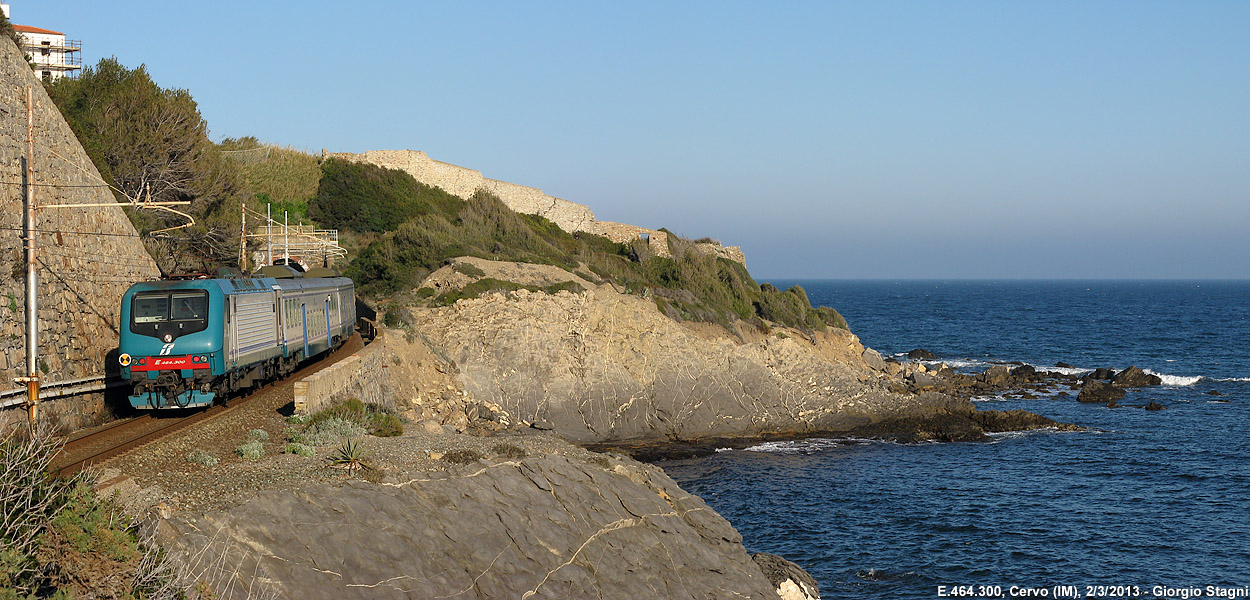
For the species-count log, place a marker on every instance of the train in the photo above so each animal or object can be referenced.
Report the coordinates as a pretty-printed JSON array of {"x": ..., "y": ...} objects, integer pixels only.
[{"x": 188, "y": 343}]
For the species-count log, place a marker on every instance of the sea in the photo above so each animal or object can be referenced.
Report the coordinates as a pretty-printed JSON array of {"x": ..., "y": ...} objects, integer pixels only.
[{"x": 1144, "y": 504}]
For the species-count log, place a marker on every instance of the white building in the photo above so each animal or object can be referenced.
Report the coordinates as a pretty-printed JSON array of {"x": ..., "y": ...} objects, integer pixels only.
[{"x": 53, "y": 56}]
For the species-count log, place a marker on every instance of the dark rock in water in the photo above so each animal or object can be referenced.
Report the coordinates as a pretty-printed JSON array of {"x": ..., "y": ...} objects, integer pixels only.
[
  {"x": 1113, "y": 404},
  {"x": 1135, "y": 377},
  {"x": 995, "y": 375},
  {"x": 1103, "y": 374},
  {"x": 1064, "y": 394},
  {"x": 1214, "y": 393},
  {"x": 1063, "y": 365},
  {"x": 1155, "y": 406},
  {"x": 791, "y": 581},
  {"x": 921, "y": 354},
  {"x": 1029, "y": 396},
  {"x": 996, "y": 421},
  {"x": 1025, "y": 372},
  {"x": 1099, "y": 391}
]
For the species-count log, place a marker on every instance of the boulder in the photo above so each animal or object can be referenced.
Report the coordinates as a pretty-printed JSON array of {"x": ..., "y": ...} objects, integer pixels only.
[
  {"x": 1154, "y": 406},
  {"x": 1099, "y": 391},
  {"x": 791, "y": 581},
  {"x": 1025, "y": 372},
  {"x": 1135, "y": 377},
  {"x": 995, "y": 375},
  {"x": 921, "y": 354},
  {"x": 1214, "y": 393},
  {"x": 1103, "y": 374},
  {"x": 922, "y": 380},
  {"x": 873, "y": 359},
  {"x": 1063, "y": 365}
]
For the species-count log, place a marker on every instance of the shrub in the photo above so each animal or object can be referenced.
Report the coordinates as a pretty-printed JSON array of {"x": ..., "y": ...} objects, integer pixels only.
[
  {"x": 52, "y": 527},
  {"x": 368, "y": 198},
  {"x": 383, "y": 424},
  {"x": 331, "y": 430},
  {"x": 251, "y": 450},
  {"x": 508, "y": 450},
  {"x": 469, "y": 269},
  {"x": 461, "y": 457},
  {"x": 258, "y": 435},
  {"x": 298, "y": 449},
  {"x": 201, "y": 457}
]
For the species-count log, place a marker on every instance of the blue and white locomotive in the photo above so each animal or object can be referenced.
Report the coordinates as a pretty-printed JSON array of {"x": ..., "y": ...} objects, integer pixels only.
[{"x": 183, "y": 343}]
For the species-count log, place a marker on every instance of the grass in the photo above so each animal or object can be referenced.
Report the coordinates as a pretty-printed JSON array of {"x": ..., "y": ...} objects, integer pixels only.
[
  {"x": 283, "y": 177},
  {"x": 201, "y": 457}
]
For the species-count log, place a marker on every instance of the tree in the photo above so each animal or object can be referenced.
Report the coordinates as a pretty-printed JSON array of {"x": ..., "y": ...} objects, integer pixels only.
[{"x": 152, "y": 143}]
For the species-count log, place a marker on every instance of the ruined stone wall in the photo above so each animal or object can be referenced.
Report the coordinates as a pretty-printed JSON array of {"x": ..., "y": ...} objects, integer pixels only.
[{"x": 87, "y": 256}]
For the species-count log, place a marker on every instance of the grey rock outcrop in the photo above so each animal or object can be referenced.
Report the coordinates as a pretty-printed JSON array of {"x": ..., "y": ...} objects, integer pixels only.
[
  {"x": 549, "y": 527},
  {"x": 791, "y": 581},
  {"x": 604, "y": 366}
]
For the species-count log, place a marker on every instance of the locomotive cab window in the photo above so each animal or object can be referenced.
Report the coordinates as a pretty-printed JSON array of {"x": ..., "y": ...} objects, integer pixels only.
[{"x": 177, "y": 313}]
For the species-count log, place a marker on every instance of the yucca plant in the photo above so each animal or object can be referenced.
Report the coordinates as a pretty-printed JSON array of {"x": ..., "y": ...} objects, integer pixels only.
[{"x": 350, "y": 456}]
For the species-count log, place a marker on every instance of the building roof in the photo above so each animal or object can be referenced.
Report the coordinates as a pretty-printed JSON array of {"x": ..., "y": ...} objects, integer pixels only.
[{"x": 29, "y": 29}]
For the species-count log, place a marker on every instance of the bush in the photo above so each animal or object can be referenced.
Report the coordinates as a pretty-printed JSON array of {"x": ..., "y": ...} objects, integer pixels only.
[
  {"x": 368, "y": 198},
  {"x": 251, "y": 450},
  {"x": 298, "y": 449},
  {"x": 59, "y": 539},
  {"x": 461, "y": 457},
  {"x": 508, "y": 450},
  {"x": 258, "y": 435},
  {"x": 383, "y": 424},
  {"x": 332, "y": 430},
  {"x": 201, "y": 457}
]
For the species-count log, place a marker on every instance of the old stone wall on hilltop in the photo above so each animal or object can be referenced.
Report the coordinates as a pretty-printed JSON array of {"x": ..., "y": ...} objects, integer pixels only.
[
  {"x": 570, "y": 216},
  {"x": 87, "y": 256}
]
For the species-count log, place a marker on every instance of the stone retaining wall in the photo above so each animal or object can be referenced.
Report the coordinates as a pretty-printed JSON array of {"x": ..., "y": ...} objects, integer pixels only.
[
  {"x": 361, "y": 375},
  {"x": 87, "y": 257}
]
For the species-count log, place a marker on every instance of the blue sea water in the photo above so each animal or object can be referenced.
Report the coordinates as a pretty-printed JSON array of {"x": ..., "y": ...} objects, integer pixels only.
[{"x": 1154, "y": 499}]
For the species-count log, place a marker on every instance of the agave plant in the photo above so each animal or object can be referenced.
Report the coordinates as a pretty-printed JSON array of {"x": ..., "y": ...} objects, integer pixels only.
[{"x": 351, "y": 456}]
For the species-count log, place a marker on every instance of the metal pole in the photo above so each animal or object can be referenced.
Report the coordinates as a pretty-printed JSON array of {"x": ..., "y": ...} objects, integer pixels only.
[
  {"x": 32, "y": 278},
  {"x": 242, "y": 236},
  {"x": 269, "y": 232},
  {"x": 286, "y": 239}
]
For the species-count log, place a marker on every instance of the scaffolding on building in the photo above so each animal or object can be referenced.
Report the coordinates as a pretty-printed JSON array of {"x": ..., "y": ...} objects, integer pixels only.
[{"x": 286, "y": 244}]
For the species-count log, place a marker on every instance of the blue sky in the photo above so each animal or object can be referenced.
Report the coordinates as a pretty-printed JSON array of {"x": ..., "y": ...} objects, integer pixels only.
[{"x": 828, "y": 139}]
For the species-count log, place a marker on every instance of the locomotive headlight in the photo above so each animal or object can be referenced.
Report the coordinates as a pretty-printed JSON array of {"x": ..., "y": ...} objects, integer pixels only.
[
  {"x": 168, "y": 338},
  {"x": 124, "y": 359}
]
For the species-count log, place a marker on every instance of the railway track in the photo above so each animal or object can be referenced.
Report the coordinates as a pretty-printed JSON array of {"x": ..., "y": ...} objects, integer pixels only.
[{"x": 95, "y": 446}]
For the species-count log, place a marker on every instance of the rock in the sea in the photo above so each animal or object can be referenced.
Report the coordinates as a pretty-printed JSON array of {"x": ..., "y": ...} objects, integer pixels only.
[
  {"x": 1063, "y": 365},
  {"x": 873, "y": 359},
  {"x": 921, "y": 354},
  {"x": 1154, "y": 406},
  {"x": 791, "y": 581},
  {"x": 1135, "y": 377},
  {"x": 995, "y": 375},
  {"x": 1102, "y": 374},
  {"x": 1025, "y": 372},
  {"x": 1214, "y": 393},
  {"x": 1099, "y": 391}
]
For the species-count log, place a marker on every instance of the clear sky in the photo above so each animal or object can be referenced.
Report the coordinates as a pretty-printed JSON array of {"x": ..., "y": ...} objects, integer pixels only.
[{"x": 828, "y": 139}]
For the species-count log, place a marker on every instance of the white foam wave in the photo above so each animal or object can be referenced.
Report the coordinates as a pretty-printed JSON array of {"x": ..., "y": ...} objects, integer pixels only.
[
  {"x": 1233, "y": 379},
  {"x": 806, "y": 445},
  {"x": 1175, "y": 380}
]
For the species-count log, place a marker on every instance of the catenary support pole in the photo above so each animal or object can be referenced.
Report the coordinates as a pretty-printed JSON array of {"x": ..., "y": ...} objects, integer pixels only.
[{"x": 32, "y": 277}]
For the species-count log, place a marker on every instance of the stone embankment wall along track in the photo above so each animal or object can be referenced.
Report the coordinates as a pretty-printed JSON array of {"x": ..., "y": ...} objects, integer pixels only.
[
  {"x": 361, "y": 375},
  {"x": 570, "y": 216},
  {"x": 87, "y": 256}
]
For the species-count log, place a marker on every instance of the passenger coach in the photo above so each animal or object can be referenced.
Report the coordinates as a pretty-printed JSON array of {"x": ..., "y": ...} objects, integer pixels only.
[{"x": 184, "y": 343}]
